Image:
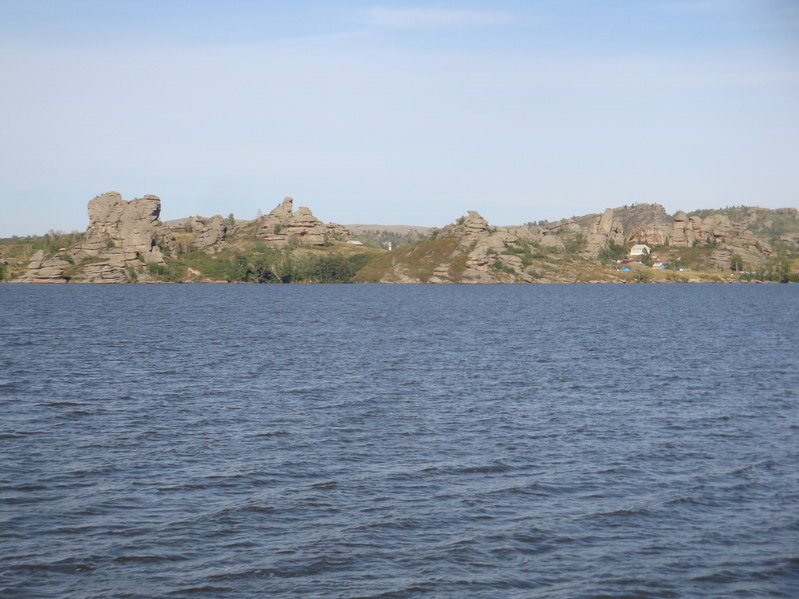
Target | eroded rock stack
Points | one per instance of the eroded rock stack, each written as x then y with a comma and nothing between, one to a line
121,235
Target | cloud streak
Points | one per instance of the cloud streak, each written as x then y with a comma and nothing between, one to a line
431,18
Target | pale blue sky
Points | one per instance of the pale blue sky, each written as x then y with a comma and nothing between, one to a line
396,112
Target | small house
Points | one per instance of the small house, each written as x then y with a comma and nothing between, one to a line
640,250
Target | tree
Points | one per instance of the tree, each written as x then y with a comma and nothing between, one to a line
736,263
779,269
230,221
646,259
611,252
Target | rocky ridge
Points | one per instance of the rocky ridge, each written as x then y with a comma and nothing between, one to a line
126,242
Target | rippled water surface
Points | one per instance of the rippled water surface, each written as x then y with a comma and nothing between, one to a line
399,441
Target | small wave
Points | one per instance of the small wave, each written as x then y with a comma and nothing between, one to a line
330,484
494,467
16,434
200,590
723,577
123,559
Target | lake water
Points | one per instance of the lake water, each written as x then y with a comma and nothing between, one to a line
399,441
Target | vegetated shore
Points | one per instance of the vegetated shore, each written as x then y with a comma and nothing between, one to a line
126,242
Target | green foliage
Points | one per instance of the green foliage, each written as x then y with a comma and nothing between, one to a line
641,276
525,251
516,250
2,272
173,272
328,267
277,228
611,253
497,265
779,270
679,263
230,221
381,239
418,260
573,245
260,264
736,263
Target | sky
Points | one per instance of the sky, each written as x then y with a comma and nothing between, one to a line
396,112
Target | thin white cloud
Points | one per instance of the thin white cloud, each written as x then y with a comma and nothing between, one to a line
425,18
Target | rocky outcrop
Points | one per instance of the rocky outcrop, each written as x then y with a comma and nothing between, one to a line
209,233
682,232
45,270
133,226
121,238
126,242
282,226
605,230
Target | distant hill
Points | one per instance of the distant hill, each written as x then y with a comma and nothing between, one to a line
397,229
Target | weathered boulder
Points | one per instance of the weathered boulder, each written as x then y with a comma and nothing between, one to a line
208,233
42,269
282,226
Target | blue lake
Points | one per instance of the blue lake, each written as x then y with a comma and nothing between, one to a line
399,441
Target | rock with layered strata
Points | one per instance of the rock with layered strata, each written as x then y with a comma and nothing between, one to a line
132,226
42,269
282,225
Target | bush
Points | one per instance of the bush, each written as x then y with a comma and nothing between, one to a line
169,273
611,253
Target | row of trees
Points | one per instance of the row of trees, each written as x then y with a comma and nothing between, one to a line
263,265
778,270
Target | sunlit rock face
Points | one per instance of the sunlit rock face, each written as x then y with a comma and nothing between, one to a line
282,225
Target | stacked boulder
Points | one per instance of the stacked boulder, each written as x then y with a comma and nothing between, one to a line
282,226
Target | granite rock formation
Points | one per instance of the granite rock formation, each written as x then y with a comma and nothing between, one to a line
282,226
45,270
209,233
